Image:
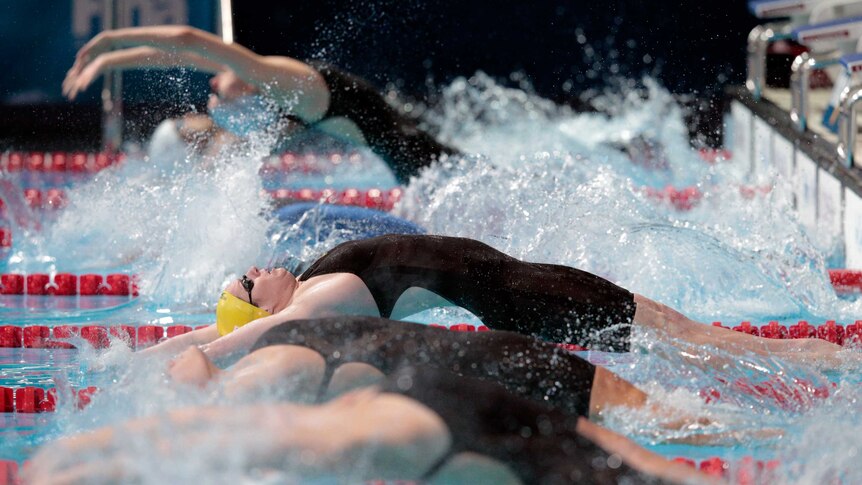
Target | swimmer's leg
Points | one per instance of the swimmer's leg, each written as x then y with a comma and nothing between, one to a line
610,390
656,316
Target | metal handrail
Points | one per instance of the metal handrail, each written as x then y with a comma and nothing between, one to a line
847,124
800,82
758,42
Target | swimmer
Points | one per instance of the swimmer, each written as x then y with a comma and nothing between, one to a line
261,88
417,424
395,276
351,352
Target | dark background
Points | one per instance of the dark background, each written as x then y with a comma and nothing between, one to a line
563,48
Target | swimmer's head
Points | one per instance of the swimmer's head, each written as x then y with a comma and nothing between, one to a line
227,86
233,312
270,290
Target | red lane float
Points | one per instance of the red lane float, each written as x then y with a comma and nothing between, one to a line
846,281
58,161
308,163
686,198
31,399
380,199
67,284
746,470
98,336
714,155
9,472
850,334
94,162
794,396
39,336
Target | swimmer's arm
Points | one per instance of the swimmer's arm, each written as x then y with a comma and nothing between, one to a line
132,58
243,338
348,441
293,83
639,457
181,342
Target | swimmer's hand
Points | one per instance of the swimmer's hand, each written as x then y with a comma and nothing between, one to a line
78,80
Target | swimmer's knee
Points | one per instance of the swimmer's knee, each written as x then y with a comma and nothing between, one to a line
296,372
288,357
350,376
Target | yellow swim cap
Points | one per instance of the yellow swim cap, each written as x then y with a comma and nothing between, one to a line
232,312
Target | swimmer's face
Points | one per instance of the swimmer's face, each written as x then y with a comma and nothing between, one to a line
227,86
272,290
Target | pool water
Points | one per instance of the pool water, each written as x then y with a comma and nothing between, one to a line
550,185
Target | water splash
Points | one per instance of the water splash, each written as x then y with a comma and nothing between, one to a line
550,185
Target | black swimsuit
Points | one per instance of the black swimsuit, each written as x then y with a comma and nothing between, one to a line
550,301
501,394
528,367
538,443
390,134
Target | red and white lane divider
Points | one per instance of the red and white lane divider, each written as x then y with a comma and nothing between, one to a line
68,284
98,336
32,399
380,199
309,163
286,162
714,155
747,470
686,198
58,161
846,281
850,334
84,162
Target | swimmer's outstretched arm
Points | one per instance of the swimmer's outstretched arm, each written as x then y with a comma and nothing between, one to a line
290,82
243,338
217,346
656,316
133,58
351,438
640,458
176,344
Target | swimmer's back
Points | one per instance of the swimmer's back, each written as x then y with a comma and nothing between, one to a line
551,301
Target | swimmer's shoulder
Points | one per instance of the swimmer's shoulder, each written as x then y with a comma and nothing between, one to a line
336,294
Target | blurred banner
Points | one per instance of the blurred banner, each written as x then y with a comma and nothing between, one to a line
38,41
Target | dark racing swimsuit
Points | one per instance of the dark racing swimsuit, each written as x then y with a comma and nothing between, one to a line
504,395
538,443
393,136
553,302
501,394
532,368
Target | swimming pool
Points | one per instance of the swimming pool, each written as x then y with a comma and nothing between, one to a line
551,186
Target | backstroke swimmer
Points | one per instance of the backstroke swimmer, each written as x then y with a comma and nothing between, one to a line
395,276
351,351
250,91
392,431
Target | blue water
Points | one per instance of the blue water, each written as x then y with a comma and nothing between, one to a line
543,184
